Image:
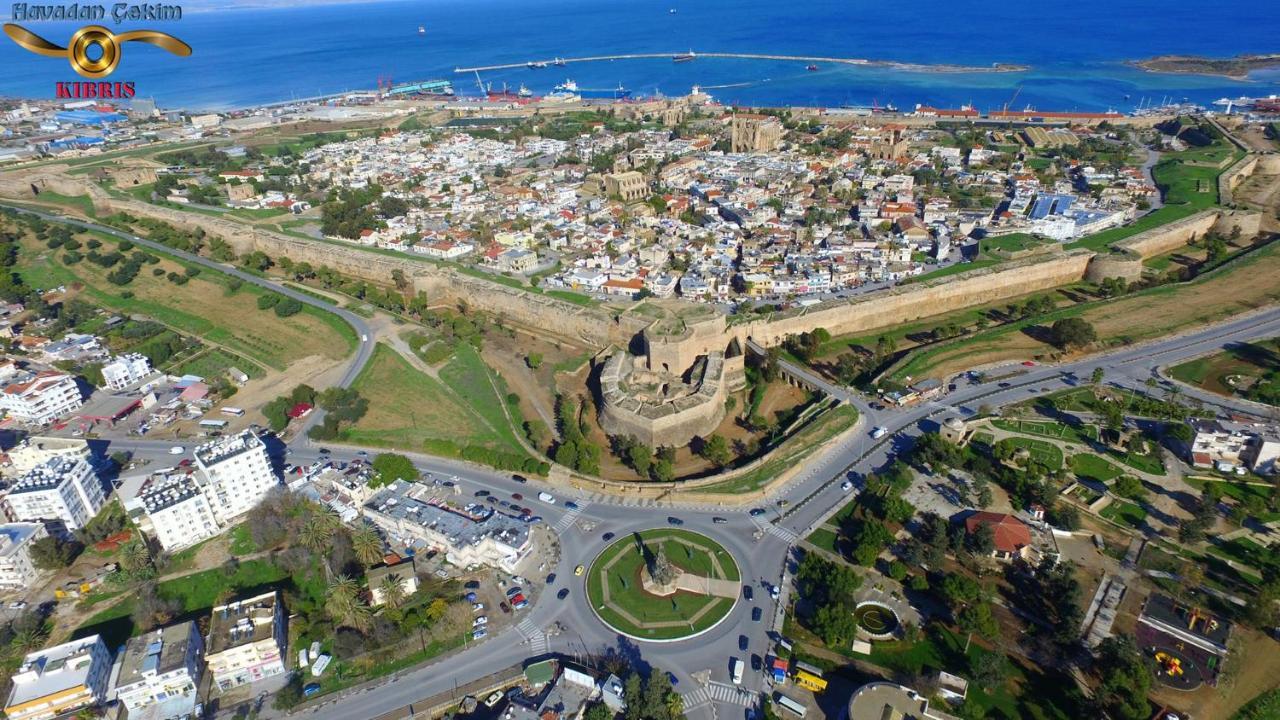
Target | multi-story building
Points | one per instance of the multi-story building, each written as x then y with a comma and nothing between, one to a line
16,569
62,488
161,670
755,134
125,370
42,398
630,185
177,510
1231,445
60,679
469,536
246,641
36,450
236,473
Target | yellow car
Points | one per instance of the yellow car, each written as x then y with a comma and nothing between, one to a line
579,570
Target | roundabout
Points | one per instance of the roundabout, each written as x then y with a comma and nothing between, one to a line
663,585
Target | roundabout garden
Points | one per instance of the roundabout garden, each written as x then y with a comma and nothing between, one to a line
663,584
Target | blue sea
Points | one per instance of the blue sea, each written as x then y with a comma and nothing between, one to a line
1076,50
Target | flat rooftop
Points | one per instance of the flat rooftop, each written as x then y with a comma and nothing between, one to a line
12,535
414,503
53,669
242,622
45,476
225,448
163,491
155,653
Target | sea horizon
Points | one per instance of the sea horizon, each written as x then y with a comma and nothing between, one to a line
1076,60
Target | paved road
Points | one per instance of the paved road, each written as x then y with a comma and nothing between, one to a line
761,545
364,337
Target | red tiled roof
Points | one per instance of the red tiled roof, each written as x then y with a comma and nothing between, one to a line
1011,534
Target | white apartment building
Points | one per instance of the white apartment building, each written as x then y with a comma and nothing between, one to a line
237,473
125,370
16,569
160,672
42,398
36,450
60,679
61,488
247,641
177,510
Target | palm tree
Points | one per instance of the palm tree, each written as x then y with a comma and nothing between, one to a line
367,545
344,605
316,532
134,556
392,589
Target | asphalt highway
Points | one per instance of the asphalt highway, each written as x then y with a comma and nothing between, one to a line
761,546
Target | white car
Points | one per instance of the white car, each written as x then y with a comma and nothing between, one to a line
774,592
847,485
477,607
480,621
879,432
177,450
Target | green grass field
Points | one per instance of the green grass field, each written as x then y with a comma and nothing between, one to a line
791,452
1125,513
408,407
1049,429
1041,451
204,307
1087,466
626,594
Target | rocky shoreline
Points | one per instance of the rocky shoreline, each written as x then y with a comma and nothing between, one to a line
1235,68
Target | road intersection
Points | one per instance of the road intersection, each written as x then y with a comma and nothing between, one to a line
763,546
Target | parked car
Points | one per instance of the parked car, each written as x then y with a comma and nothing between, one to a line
747,593
504,607
176,450
674,521
743,643
513,591
755,512
551,578
479,634
756,614
471,597
472,585
517,496
607,537
520,478
579,570
570,505
310,689
846,485
482,620
879,432
719,520
482,493
324,451
477,607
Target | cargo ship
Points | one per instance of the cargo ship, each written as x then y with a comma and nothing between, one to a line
523,95
683,57
569,87
427,87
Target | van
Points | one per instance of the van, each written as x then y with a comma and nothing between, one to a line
547,498
736,670
879,432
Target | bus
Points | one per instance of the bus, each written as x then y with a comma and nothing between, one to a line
233,411
812,670
213,424
810,682
789,704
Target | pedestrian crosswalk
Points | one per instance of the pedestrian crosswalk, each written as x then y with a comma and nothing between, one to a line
782,533
717,692
570,517
533,634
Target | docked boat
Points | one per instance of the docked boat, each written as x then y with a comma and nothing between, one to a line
559,62
811,67
683,57
422,30
569,87
524,92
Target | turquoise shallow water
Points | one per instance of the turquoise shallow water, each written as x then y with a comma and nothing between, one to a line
1075,50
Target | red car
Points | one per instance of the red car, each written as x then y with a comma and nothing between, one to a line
517,496
1028,363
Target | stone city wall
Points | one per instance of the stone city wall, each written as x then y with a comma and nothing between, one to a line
1163,239
1229,180
670,423
919,300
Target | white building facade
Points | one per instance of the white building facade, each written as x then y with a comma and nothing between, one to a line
62,488
17,572
237,473
125,371
60,679
178,511
43,398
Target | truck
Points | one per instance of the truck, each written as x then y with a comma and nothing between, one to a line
735,667
789,704
879,432
547,498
